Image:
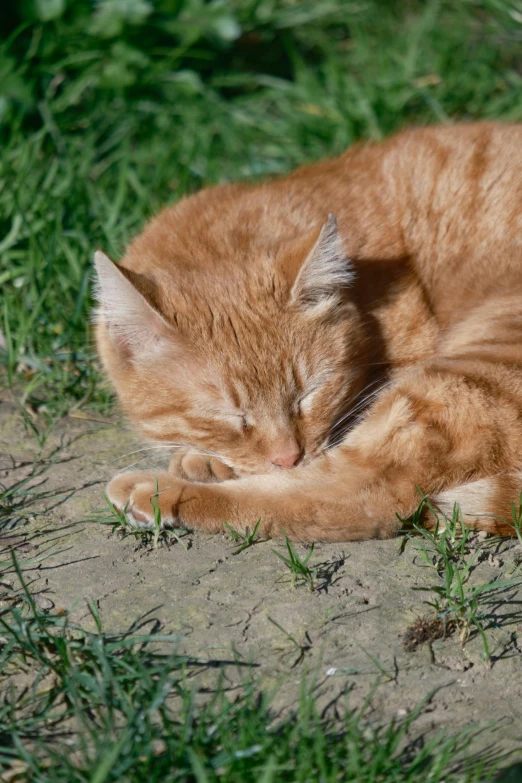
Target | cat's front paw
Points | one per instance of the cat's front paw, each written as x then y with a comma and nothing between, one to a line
193,466
140,494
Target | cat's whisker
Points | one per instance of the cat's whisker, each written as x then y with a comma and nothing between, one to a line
138,451
362,403
200,450
138,462
206,452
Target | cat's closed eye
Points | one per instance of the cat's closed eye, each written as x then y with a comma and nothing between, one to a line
305,402
237,419
247,421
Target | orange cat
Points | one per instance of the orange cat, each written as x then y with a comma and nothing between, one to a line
312,371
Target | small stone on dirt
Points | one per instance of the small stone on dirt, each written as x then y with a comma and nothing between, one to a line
494,561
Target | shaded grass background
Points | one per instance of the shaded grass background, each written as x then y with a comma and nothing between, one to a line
110,109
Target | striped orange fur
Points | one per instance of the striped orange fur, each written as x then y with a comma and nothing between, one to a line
316,347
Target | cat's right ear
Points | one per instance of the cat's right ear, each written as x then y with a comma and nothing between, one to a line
317,268
126,308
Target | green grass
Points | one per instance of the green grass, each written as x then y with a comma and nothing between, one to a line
19,495
244,539
452,555
84,705
300,571
108,111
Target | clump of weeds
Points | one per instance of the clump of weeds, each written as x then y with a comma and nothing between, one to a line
245,539
516,520
300,571
460,605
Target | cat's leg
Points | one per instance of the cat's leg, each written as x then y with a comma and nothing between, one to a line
485,504
438,427
194,466
309,505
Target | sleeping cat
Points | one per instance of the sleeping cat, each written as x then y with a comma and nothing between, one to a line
316,348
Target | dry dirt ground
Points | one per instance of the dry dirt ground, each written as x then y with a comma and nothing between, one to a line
348,632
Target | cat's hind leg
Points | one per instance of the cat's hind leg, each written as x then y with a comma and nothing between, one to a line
486,504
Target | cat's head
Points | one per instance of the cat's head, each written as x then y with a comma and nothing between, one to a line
251,355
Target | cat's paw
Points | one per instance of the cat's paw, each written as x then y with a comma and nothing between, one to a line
193,466
140,493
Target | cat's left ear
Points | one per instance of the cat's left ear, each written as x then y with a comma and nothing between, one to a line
318,276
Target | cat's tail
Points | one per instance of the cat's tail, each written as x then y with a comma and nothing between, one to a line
492,504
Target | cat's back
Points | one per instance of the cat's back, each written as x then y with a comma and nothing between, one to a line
464,174
445,197
462,209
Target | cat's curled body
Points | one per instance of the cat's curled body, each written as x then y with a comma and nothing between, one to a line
313,371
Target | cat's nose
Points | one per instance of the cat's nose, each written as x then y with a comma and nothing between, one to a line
285,459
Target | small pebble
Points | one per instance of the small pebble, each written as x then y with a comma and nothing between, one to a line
43,603
496,562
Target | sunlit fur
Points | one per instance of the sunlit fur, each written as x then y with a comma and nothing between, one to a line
382,345
260,351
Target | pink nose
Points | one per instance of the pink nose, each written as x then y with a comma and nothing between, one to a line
285,459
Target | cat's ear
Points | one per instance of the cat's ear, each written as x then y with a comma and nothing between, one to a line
126,307
323,271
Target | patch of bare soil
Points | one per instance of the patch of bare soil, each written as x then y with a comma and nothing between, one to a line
243,608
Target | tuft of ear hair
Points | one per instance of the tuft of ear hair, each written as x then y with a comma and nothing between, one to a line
324,272
126,307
